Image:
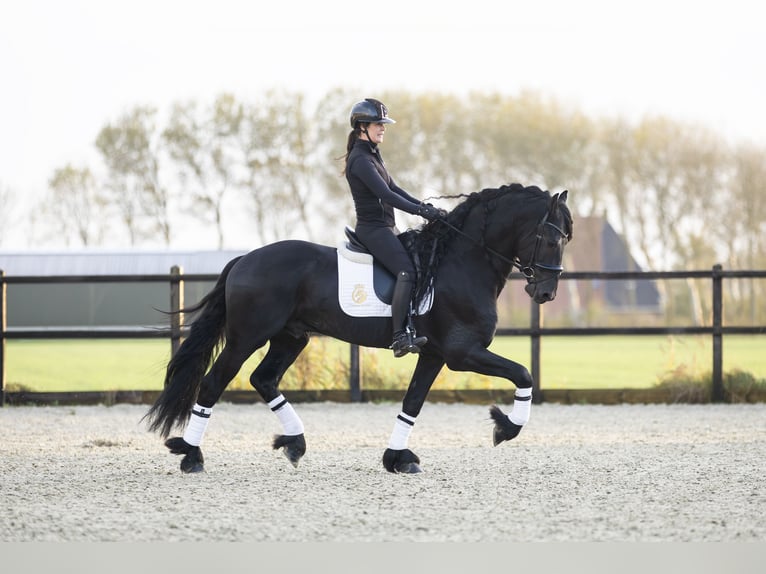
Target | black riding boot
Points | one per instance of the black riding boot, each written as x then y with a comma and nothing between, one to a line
405,340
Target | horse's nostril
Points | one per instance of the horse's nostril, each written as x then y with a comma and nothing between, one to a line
545,296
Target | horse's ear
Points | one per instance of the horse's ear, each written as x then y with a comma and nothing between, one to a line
554,204
561,199
557,198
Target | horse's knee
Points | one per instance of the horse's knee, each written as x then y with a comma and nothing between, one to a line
266,387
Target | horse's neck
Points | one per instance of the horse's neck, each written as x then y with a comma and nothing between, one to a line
471,256
483,228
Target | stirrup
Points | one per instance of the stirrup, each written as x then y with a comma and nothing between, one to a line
404,343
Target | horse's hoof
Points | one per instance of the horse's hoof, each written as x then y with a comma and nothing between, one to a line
504,428
193,461
293,447
408,468
401,461
191,466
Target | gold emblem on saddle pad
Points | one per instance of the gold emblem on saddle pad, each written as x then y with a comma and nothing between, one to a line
359,295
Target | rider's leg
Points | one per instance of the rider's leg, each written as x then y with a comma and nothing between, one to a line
405,340
385,246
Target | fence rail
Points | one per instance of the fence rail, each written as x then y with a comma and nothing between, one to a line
177,330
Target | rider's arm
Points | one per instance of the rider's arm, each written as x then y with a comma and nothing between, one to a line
369,175
403,193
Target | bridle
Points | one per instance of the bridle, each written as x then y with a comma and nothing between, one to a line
527,270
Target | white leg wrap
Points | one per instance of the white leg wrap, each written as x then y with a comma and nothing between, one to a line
291,422
401,433
522,405
195,430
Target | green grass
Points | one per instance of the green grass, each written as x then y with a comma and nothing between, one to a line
86,365
602,361
567,363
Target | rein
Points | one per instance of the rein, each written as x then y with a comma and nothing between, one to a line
527,270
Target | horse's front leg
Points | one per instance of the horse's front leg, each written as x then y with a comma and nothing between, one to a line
480,360
397,457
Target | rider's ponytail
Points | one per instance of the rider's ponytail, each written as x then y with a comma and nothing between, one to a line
353,135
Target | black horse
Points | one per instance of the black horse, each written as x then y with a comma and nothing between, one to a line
283,292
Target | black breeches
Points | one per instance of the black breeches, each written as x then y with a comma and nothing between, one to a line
385,246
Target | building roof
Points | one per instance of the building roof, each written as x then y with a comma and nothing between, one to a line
103,262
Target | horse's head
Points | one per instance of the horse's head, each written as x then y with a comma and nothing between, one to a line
546,250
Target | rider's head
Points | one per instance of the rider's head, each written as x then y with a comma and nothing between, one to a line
369,111
363,114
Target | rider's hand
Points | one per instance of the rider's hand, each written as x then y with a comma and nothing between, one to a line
442,212
429,212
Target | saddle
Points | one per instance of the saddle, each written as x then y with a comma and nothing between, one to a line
365,287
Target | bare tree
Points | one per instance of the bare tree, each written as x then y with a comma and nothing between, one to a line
428,149
281,160
742,225
75,206
204,146
130,150
332,206
742,213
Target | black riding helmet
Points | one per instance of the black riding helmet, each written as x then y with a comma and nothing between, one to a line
370,111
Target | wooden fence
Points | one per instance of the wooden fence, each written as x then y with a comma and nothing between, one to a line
176,331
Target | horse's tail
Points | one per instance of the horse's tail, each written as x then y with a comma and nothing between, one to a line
190,363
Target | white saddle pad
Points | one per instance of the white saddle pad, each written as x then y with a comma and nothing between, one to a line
356,291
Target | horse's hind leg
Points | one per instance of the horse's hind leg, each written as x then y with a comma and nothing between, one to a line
224,369
284,348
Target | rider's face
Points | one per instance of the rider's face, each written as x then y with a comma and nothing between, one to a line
375,132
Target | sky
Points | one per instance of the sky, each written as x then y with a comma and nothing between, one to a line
67,67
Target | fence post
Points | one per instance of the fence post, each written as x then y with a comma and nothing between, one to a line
717,392
176,304
3,324
536,313
355,375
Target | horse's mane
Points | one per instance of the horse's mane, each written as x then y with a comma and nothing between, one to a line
428,244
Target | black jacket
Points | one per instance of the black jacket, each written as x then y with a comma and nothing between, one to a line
373,189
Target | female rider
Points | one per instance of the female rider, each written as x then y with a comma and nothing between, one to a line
375,197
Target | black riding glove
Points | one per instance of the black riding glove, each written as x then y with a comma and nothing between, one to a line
429,212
